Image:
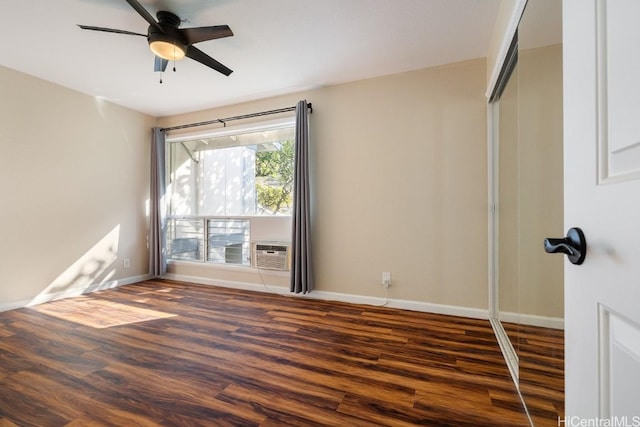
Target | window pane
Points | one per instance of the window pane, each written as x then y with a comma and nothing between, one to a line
185,239
228,241
233,175
228,181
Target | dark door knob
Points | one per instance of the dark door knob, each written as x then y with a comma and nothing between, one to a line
574,246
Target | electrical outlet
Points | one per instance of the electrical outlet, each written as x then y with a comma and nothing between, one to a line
386,279
127,262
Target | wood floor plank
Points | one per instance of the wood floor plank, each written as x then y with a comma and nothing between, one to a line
464,408
54,354
228,357
287,406
69,400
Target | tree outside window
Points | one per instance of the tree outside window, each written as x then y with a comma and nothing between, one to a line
274,178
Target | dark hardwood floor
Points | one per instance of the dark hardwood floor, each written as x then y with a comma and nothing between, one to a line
235,358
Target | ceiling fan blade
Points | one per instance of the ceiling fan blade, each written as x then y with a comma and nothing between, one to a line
160,64
200,34
145,14
110,30
203,58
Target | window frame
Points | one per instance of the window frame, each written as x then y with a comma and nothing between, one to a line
264,125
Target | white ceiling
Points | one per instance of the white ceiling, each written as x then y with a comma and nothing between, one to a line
279,46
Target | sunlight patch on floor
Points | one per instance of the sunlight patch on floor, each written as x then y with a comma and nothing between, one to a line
97,313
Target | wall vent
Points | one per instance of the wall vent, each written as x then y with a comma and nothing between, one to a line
271,255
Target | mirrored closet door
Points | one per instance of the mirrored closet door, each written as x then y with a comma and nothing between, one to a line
528,195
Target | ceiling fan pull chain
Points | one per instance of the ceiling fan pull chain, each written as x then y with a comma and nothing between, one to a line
160,77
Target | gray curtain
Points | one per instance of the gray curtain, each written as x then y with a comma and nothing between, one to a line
157,222
301,271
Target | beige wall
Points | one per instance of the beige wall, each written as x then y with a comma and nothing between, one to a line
398,174
399,184
74,174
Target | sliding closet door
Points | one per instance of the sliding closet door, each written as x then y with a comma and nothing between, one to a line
540,204
528,192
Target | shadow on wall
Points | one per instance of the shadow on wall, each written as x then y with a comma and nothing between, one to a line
91,272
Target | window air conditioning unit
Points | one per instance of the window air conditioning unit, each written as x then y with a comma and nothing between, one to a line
271,255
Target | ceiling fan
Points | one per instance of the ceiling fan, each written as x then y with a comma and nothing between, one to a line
170,43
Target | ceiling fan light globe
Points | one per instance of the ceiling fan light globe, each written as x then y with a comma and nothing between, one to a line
167,50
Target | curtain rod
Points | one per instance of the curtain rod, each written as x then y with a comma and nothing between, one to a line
228,119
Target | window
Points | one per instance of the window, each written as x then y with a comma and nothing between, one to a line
217,181
218,241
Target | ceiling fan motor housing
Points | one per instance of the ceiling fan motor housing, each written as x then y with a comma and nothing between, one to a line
167,44
168,19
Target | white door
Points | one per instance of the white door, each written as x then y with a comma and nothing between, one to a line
602,196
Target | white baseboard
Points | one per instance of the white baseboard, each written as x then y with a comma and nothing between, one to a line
257,287
532,320
426,307
6,306
73,292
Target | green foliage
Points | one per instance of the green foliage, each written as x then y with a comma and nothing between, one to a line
274,170
273,198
